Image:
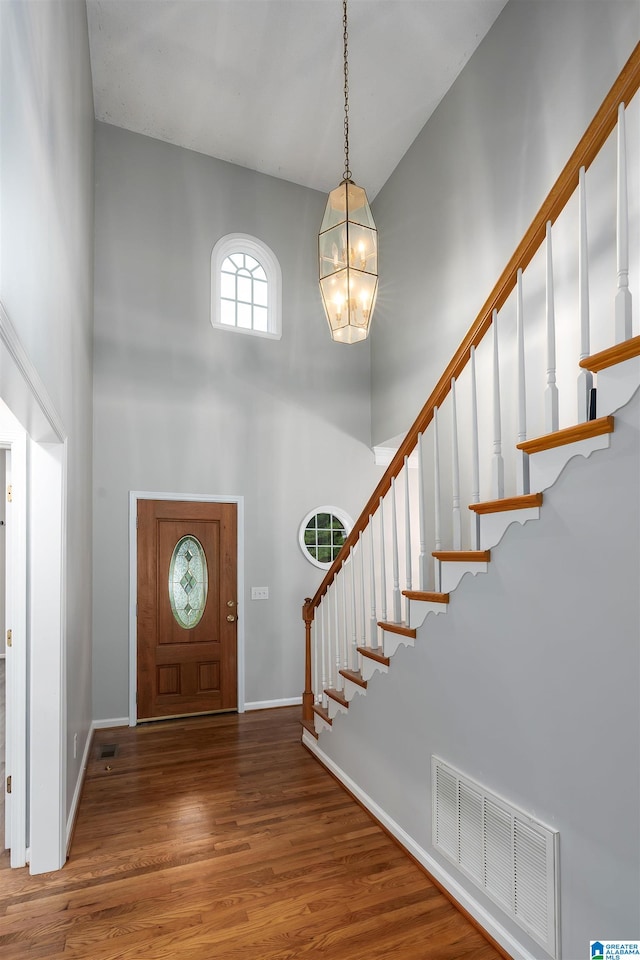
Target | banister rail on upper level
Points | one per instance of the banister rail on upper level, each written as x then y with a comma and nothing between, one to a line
594,138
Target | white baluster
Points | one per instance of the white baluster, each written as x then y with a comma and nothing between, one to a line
330,639
551,393
407,534
397,612
323,605
383,563
338,682
522,462
623,296
422,563
354,618
475,456
498,461
585,377
436,496
372,580
345,620
362,597
457,530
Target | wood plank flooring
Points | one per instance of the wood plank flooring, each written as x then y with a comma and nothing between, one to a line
221,838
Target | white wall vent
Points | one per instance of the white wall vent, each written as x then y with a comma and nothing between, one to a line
509,855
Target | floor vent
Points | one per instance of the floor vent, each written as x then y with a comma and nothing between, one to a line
107,751
509,855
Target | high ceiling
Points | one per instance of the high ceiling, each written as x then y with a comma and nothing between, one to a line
260,82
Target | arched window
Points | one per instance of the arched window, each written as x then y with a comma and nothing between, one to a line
245,287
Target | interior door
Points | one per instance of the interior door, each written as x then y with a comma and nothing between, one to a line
187,608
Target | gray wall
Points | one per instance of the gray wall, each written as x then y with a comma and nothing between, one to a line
182,408
530,684
46,269
457,205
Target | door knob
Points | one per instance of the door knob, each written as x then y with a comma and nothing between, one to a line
230,617
231,603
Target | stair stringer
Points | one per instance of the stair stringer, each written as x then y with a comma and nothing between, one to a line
530,684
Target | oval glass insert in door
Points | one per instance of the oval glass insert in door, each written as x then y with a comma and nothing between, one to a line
188,582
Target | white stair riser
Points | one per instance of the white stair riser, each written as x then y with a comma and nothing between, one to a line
351,689
493,525
320,724
418,610
452,572
616,385
546,466
335,708
368,667
391,642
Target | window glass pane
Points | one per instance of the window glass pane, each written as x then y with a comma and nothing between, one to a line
228,312
324,555
244,316
244,289
260,293
324,537
188,582
259,274
237,259
228,285
260,319
250,262
323,520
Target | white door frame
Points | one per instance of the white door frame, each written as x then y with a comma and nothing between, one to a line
134,496
14,440
38,717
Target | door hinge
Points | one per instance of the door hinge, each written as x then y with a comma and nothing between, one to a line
9,638
8,784
10,493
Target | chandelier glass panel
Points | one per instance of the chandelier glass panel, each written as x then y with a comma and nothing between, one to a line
348,247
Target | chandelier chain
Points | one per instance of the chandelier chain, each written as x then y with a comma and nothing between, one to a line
345,41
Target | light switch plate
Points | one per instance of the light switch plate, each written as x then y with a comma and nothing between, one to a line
259,593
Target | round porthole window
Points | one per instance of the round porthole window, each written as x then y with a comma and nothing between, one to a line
322,534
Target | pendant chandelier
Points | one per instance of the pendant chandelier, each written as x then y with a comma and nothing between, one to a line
348,245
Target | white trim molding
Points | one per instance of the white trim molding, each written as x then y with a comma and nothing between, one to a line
272,704
134,496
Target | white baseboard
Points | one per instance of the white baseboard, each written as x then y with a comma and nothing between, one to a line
95,725
105,724
269,704
488,922
73,811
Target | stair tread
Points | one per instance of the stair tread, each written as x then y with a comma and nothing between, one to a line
462,556
581,431
322,712
427,595
618,353
402,628
355,676
337,695
522,502
375,653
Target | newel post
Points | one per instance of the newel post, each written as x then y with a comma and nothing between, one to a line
307,696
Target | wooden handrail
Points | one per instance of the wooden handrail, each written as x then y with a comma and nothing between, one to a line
585,153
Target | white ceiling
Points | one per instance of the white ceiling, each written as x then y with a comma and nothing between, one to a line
259,82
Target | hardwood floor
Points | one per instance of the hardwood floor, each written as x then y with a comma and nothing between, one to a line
221,838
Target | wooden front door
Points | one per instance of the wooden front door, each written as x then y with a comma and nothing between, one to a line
187,608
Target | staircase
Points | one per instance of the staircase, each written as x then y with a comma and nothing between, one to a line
501,450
